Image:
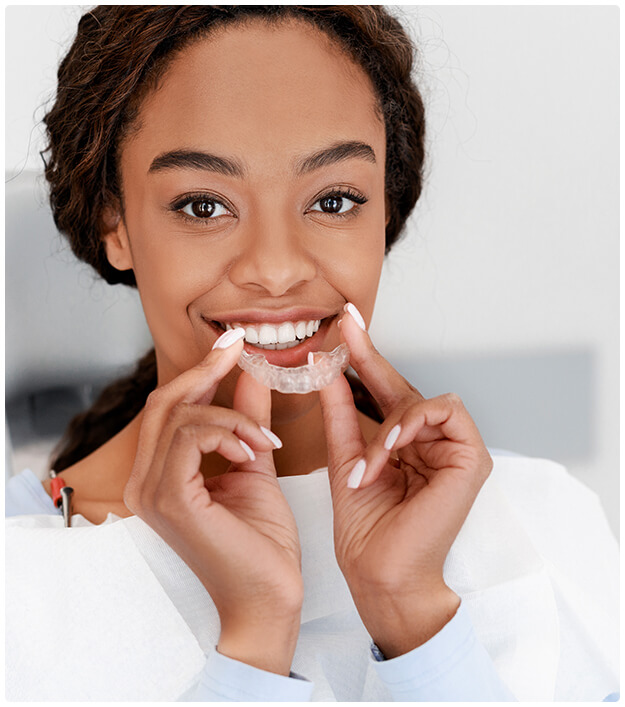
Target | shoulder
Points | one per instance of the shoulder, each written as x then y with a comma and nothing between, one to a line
25,495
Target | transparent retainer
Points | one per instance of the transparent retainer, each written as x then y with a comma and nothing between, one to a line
301,379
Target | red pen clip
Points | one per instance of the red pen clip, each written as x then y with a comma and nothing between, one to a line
56,484
62,497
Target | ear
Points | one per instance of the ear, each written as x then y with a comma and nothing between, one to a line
115,237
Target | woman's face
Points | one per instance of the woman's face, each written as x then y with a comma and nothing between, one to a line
254,194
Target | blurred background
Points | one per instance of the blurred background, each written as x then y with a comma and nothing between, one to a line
504,289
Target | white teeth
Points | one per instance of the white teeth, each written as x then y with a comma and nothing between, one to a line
283,336
267,335
300,330
251,335
286,333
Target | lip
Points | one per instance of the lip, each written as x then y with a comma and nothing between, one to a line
288,358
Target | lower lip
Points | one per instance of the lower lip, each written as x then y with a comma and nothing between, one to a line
295,356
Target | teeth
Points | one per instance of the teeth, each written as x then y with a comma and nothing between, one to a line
286,333
267,335
300,330
282,336
251,335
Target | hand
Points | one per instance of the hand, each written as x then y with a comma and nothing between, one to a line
235,531
394,530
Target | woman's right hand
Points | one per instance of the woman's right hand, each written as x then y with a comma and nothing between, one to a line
236,530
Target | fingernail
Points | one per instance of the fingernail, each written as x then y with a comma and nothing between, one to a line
311,358
229,337
356,474
272,437
248,450
349,307
392,437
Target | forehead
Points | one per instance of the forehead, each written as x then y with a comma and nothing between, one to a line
266,88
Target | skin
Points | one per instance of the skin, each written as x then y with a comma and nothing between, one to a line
274,254
271,249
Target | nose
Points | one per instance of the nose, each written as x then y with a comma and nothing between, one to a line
273,259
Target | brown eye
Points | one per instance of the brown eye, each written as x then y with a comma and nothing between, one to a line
204,209
331,204
339,203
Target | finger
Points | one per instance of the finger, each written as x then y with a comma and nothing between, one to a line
253,399
445,502
344,438
386,385
183,414
181,478
445,432
198,384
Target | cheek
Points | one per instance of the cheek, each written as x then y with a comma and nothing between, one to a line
357,272
172,272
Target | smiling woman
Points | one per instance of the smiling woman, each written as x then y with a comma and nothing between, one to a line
247,168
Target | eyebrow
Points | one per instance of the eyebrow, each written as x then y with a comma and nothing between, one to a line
195,159
336,153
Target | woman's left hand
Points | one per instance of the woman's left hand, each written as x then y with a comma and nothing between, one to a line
394,529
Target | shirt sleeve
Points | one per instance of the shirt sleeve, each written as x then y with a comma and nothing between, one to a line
224,679
452,666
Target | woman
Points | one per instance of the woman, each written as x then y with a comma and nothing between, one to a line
247,168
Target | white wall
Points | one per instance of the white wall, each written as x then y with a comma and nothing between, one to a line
512,254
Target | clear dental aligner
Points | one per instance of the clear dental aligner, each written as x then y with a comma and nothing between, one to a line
301,379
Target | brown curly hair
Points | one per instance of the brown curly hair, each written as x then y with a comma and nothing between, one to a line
117,57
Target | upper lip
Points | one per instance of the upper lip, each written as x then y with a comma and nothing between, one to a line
273,317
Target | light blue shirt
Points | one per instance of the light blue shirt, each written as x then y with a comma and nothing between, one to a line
452,666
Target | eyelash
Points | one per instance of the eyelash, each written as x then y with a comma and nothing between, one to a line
187,199
343,193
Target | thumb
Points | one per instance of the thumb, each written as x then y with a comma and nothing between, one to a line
344,439
254,400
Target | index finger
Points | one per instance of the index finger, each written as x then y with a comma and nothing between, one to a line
254,400
386,385
197,385
343,434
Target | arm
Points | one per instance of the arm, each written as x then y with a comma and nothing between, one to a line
235,531
451,666
399,503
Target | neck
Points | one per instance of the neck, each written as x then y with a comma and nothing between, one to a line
303,447
100,478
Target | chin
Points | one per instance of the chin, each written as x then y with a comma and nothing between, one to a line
288,408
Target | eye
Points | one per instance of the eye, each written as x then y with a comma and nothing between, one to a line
203,208
338,202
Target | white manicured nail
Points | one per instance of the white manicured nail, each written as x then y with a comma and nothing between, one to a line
272,437
356,474
229,337
392,437
248,450
349,307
